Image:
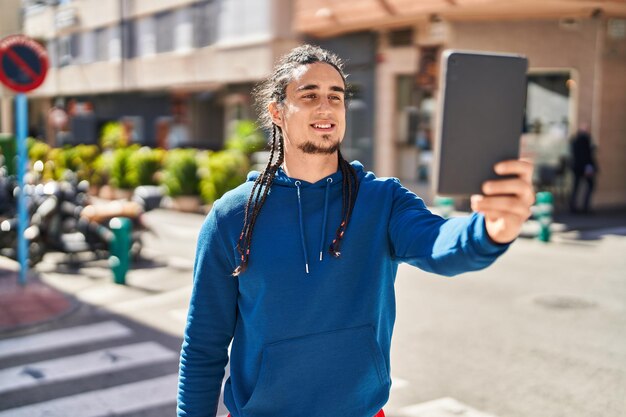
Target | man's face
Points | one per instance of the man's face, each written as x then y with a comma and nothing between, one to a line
313,114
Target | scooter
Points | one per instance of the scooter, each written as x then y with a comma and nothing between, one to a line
63,221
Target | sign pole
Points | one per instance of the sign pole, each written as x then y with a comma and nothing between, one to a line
23,67
21,112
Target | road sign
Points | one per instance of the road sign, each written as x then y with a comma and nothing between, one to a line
23,63
23,67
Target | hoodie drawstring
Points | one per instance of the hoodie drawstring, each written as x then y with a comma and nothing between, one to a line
323,234
302,239
323,237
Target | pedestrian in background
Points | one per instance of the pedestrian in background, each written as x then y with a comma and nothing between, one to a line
297,266
584,168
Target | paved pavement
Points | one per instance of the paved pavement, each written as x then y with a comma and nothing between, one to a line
49,295
27,305
109,324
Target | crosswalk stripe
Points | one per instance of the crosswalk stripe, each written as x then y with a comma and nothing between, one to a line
442,407
118,400
63,338
87,364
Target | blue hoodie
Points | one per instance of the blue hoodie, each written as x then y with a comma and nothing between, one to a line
311,333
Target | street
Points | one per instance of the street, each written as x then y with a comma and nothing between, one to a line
540,333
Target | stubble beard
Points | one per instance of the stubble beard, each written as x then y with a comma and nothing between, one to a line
312,148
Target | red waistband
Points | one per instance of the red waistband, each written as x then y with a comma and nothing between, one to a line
379,414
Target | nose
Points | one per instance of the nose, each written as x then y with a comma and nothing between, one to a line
324,105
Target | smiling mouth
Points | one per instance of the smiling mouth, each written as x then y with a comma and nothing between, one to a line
323,127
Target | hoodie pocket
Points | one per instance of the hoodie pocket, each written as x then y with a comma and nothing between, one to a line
343,370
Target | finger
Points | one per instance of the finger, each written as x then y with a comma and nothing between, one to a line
503,205
514,186
510,205
520,167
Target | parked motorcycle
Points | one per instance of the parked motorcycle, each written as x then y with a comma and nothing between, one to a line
62,220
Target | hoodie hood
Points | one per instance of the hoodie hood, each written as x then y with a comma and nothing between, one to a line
327,182
282,179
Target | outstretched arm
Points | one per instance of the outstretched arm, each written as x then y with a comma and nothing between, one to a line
462,244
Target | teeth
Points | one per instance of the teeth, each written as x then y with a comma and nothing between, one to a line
318,126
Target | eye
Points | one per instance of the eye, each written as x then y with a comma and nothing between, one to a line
310,96
336,98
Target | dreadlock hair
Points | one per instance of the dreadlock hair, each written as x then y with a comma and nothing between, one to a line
271,90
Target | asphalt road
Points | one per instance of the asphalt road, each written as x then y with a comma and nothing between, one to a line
541,333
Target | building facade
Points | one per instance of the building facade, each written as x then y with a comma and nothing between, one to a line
175,72
577,58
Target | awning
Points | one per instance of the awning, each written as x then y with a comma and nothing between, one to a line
329,18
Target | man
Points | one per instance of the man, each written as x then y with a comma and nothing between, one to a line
584,167
297,266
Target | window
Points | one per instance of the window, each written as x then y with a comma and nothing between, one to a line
53,55
87,47
114,45
183,29
102,44
130,32
164,25
549,111
65,51
205,23
146,39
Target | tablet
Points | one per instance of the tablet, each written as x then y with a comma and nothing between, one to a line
481,115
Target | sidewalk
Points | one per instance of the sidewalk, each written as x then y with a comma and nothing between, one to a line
31,304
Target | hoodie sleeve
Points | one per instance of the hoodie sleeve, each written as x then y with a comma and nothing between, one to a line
427,241
210,324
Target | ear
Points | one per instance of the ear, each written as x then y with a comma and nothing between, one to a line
275,113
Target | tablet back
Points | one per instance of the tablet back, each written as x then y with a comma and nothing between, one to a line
480,118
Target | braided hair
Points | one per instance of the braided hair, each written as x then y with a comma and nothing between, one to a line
274,90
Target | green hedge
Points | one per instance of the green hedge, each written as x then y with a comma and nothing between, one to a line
180,172
143,166
245,137
220,172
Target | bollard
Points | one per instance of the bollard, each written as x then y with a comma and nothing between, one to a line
543,214
119,251
445,206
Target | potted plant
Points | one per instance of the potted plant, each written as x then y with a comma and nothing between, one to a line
143,166
220,172
113,136
245,137
102,174
180,178
84,158
119,171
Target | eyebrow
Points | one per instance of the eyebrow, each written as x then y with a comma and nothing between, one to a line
317,87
